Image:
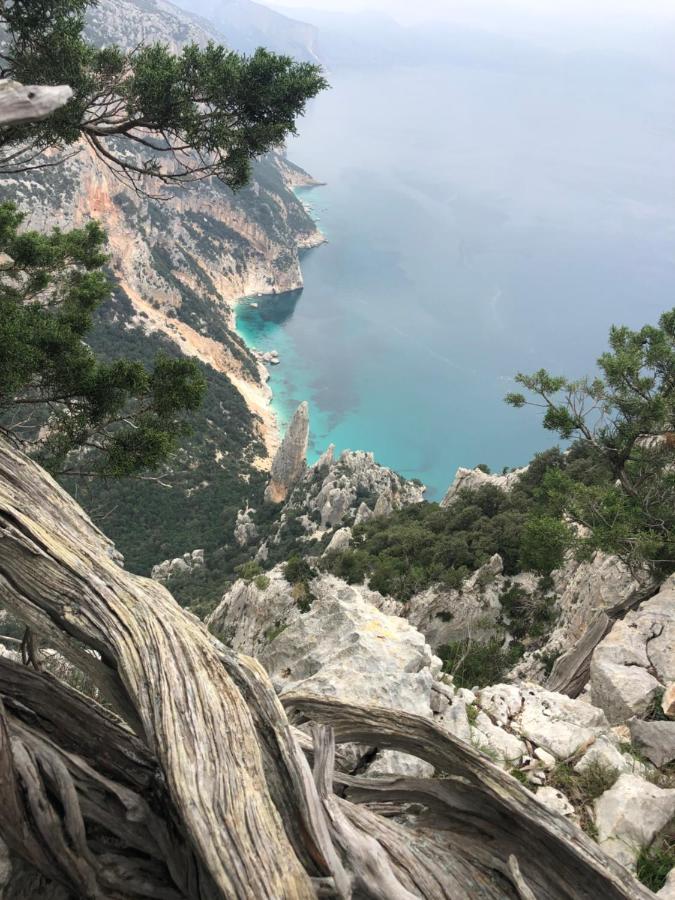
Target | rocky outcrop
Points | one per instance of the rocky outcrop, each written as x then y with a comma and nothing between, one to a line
182,565
472,611
473,479
182,262
245,531
338,492
291,458
633,665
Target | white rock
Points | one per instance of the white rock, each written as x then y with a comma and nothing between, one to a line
621,691
501,702
557,723
630,815
605,754
547,759
505,748
555,800
339,541
456,721
392,762
346,647
467,696
473,479
637,658
655,740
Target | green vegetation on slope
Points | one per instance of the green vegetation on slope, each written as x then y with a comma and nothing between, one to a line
425,544
210,478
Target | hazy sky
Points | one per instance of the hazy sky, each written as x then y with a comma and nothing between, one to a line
487,11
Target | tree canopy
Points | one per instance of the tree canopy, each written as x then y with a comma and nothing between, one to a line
56,397
625,417
203,112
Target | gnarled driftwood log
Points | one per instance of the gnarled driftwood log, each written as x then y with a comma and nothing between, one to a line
197,787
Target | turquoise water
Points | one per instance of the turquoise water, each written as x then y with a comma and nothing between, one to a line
480,222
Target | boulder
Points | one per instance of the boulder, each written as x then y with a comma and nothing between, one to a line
245,531
555,800
637,658
290,460
501,701
346,647
184,564
630,815
604,753
621,691
340,541
557,723
655,740
504,748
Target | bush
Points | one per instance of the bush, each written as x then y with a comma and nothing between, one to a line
473,664
298,570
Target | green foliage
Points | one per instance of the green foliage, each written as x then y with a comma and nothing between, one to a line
528,616
473,664
211,476
205,111
654,864
262,582
625,418
298,570
544,541
77,413
425,544
249,571
582,788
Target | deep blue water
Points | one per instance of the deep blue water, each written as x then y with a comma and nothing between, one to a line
480,222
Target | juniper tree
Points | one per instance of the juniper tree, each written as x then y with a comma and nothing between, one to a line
78,414
625,417
202,112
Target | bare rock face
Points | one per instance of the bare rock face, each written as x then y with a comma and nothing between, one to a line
245,531
291,459
636,660
629,816
473,479
343,646
444,615
655,740
249,616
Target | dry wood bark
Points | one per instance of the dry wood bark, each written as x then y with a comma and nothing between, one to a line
29,103
201,788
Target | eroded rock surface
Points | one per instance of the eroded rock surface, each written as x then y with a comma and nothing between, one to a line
291,458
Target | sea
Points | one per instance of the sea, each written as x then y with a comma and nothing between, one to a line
482,219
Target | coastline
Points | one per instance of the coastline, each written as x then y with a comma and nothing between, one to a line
259,397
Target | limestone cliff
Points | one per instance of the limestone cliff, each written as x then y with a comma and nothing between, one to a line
183,261
291,457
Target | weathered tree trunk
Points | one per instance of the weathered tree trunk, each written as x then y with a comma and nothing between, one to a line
200,788
30,103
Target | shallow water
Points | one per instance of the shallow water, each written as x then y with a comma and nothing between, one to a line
480,222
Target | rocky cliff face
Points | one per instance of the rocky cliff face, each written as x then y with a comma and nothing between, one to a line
183,261
290,460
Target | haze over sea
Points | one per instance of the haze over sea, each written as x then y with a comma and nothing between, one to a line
486,213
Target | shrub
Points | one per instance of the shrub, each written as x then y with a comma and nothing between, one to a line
472,663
